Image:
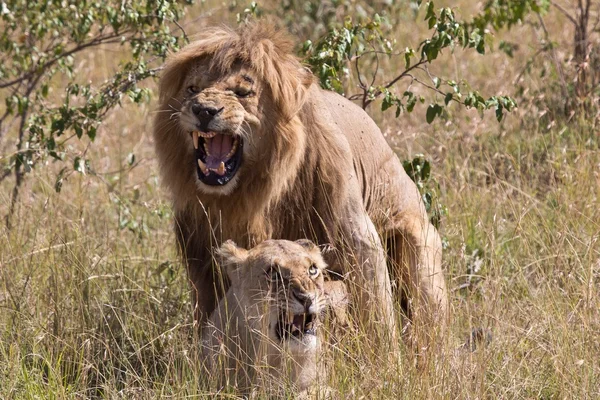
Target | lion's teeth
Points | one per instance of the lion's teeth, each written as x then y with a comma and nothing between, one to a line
206,148
203,167
195,138
207,135
221,170
233,149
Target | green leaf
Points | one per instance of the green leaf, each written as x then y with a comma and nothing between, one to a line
433,111
448,98
499,112
130,159
430,10
58,184
481,46
432,22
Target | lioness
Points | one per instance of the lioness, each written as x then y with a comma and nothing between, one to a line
251,148
267,324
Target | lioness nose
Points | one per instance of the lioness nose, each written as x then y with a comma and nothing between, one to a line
304,299
204,114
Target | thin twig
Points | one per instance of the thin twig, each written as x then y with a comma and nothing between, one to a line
378,93
18,169
557,64
185,36
564,12
95,42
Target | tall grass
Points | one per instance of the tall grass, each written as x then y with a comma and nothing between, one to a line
94,300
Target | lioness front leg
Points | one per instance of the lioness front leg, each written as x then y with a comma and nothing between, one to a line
369,281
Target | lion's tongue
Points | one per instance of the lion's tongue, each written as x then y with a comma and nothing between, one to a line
219,148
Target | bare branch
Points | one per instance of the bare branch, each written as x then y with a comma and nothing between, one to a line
564,12
114,38
185,36
404,74
555,59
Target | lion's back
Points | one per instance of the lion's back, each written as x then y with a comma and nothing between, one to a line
383,182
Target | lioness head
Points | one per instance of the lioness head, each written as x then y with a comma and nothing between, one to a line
223,99
283,281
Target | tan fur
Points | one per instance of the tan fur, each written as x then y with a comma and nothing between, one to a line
240,343
314,166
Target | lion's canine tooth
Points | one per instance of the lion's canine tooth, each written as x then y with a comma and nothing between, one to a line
202,167
221,170
195,138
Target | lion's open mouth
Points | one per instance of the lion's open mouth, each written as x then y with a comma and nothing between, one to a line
218,156
295,325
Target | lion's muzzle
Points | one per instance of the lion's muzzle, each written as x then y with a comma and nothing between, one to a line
205,115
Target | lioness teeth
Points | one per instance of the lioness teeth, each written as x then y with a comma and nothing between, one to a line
203,167
195,139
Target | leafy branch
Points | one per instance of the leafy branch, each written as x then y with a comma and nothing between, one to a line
357,41
56,32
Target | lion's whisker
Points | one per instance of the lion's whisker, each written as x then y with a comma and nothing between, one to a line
177,100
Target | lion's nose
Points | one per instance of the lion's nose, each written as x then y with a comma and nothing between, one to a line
205,115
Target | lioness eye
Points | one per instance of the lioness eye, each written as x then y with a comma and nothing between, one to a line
313,270
193,90
273,274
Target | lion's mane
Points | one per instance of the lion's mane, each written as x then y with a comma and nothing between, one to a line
268,52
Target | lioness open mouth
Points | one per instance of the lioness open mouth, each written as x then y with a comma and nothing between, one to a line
295,325
218,156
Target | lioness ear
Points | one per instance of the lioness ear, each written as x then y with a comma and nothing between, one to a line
231,254
230,257
307,244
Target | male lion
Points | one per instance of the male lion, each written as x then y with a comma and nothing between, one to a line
251,148
267,324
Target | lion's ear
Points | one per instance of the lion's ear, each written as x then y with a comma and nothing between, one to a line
172,77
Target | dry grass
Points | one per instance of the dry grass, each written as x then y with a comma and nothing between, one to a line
94,301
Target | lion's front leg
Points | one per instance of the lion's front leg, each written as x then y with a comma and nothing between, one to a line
207,284
368,281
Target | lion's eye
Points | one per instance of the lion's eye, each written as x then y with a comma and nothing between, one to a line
193,89
313,270
243,92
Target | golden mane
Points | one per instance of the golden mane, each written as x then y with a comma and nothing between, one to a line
267,51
